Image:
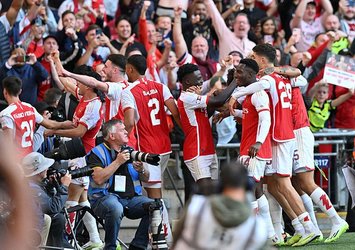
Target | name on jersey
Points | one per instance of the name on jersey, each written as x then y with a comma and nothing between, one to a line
23,114
150,92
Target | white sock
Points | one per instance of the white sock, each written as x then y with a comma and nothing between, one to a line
264,212
308,204
90,224
320,198
275,213
306,222
69,204
166,224
298,227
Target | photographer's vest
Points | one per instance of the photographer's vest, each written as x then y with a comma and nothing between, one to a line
95,191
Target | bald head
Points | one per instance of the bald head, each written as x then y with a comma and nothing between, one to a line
199,48
332,23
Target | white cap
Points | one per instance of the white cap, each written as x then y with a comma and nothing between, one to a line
35,163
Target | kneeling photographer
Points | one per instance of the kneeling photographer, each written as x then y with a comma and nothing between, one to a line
115,189
51,194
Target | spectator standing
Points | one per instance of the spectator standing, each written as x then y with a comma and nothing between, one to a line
201,25
124,32
321,107
25,67
309,24
98,49
199,50
6,22
228,40
70,44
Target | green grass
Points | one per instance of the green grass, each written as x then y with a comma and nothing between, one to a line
346,242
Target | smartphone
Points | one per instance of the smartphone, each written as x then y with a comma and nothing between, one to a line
268,39
98,32
296,32
22,59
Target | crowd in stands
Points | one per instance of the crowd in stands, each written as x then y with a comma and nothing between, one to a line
151,73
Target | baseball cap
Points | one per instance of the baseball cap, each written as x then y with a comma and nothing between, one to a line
35,163
50,36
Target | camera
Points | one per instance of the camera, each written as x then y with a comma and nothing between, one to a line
152,159
67,150
59,170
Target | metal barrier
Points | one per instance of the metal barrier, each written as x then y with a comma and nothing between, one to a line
336,137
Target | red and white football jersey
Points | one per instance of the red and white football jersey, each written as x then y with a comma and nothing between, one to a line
113,98
196,125
299,111
113,107
89,113
147,98
21,117
252,105
281,96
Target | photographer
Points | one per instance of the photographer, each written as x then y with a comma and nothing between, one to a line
115,188
50,195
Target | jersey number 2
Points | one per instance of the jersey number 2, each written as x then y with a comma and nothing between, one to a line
154,103
285,95
28,134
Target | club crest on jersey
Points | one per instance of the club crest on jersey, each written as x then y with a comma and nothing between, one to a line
198,99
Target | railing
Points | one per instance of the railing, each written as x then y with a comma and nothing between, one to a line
335,137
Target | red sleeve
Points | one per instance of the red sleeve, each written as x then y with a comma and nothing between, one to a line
316,53
143,33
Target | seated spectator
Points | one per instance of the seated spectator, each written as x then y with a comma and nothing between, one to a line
114,189
124,32
310,25
199,50
209,221
321,107
228,40
27,68
50,197
98,49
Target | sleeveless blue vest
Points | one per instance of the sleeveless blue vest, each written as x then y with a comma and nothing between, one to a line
105,157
